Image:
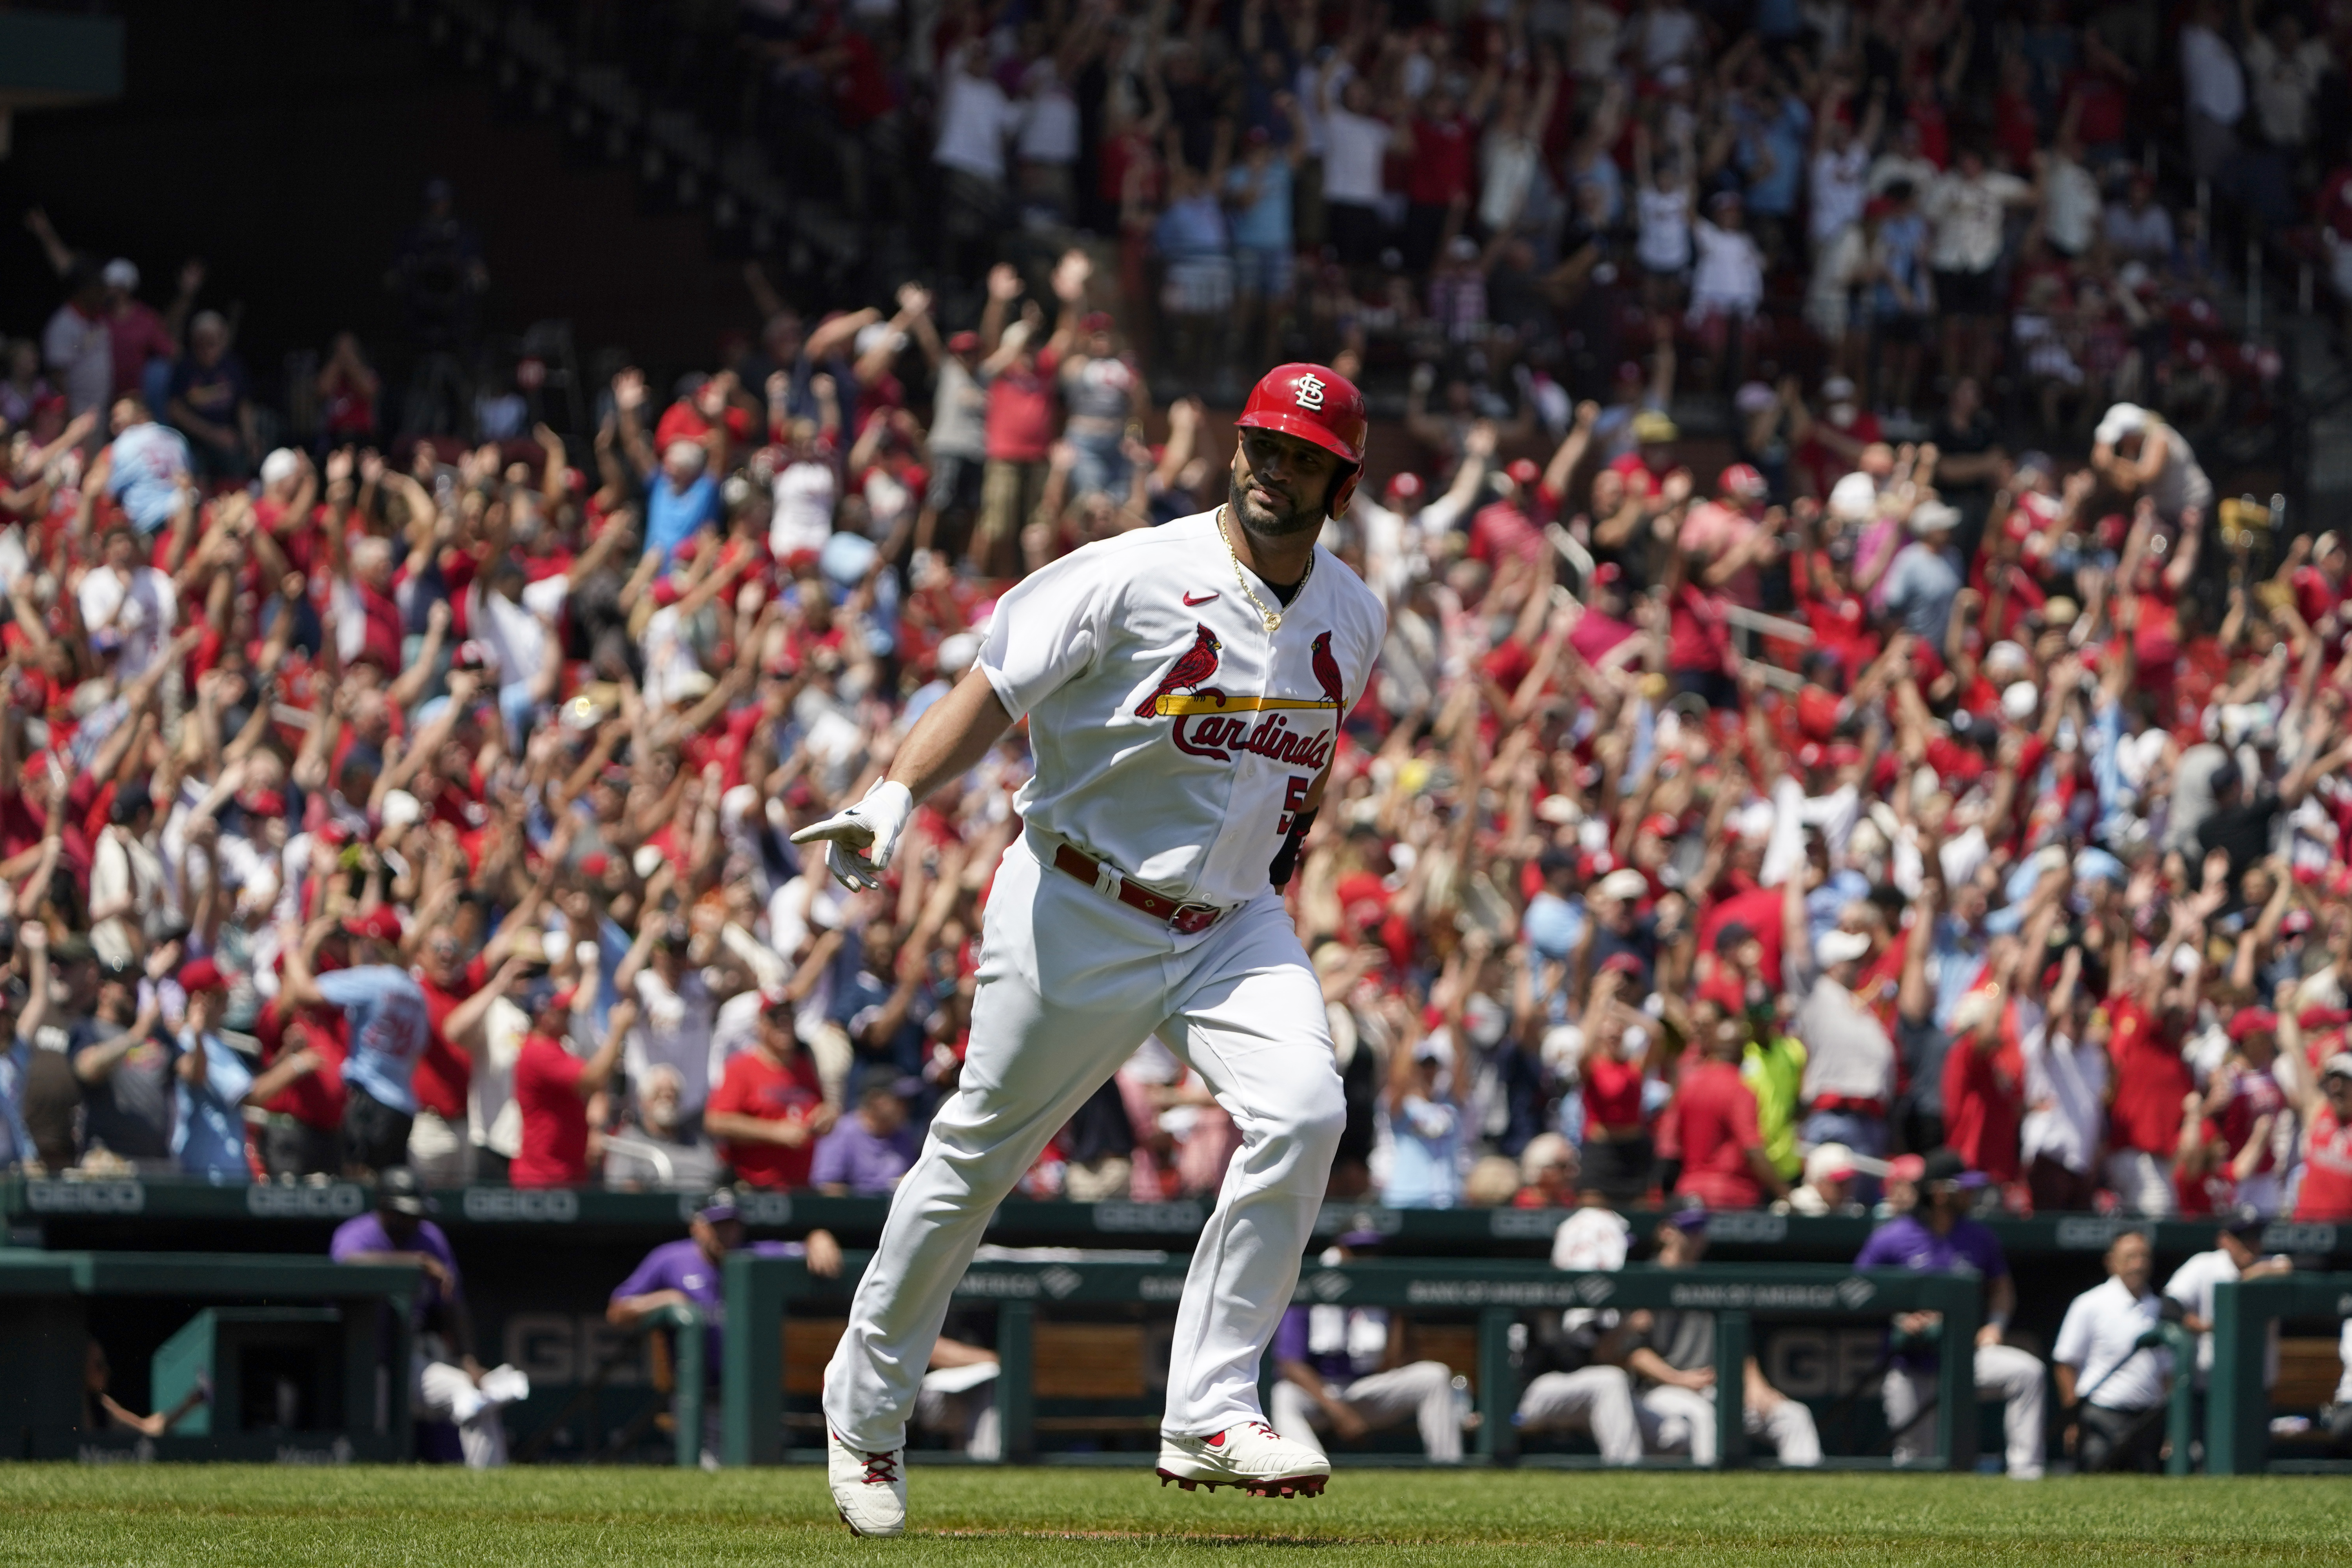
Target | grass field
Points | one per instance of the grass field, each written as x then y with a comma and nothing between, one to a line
62,1516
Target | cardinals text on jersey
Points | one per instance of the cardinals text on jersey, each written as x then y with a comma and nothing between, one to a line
1174,736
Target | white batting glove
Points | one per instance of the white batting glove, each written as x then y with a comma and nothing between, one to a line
858,841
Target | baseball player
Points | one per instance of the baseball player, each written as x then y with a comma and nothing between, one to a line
1183,686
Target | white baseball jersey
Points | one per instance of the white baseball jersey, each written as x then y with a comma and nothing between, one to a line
1174,736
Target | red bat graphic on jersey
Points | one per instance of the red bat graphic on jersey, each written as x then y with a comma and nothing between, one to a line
1327,671
1199,663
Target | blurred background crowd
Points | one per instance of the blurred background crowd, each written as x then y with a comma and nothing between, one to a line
1836,707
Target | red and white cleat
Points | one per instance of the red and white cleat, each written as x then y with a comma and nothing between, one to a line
869,1490
1252,1456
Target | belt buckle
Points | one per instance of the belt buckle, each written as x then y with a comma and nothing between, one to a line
1191,920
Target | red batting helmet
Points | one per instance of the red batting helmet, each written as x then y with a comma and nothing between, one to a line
1314,403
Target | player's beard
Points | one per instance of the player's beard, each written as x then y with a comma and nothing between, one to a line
1262,524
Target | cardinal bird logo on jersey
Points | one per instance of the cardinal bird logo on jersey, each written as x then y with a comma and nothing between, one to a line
1199,663
1327,671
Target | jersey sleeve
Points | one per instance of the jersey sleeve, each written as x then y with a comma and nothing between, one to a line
1048,630
651,1274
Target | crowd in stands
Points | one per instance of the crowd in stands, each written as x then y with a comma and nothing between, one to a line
428,804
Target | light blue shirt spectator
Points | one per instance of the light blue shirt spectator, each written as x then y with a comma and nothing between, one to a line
149,469
386,1009
209,1140
674,516
1920,588
1264,224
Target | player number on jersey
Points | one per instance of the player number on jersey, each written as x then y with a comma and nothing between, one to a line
1294,801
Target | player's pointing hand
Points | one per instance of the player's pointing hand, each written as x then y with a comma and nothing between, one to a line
858,841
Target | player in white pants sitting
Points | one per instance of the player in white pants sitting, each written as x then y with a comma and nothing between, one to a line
1342,1369
1673,1354
1183,686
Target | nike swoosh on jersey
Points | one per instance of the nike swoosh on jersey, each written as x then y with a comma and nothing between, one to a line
1190,601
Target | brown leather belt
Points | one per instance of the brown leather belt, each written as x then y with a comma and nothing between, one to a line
1184,920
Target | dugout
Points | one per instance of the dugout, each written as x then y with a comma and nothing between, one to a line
539,1265
1044,1310
271,1359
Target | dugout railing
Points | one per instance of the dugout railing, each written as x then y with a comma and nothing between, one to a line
2238,1407
762,1293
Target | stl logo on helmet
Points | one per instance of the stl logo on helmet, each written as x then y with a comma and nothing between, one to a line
1308,390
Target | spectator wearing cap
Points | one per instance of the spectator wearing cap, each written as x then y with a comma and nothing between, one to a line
1937,1238
1622,1045
769,1110
958,438
1849,1082
210,403
1832,1171
1724,1165
217,1084
1984,1080
1547,1172
552,1087
2248,1107
868,1150
2326,1192
2236,1254
1423,1108
2147,1025
388,1027
445,1383
1619,929
1342,1370
2112,1365
1670,1354
2067,1076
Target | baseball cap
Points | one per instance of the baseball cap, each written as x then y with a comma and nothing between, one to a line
1404,487
2337,1066
1360,1239
1855,498
280,466
1624,883
775,1000
1653,428
1841,947
963,343
1935,517
1944,1166
2247,1022
120,273
1523,472
201,974
398,1191
1741,479
1094,321
2244,1221
719,1206
1830,1162
1690,1220
379,924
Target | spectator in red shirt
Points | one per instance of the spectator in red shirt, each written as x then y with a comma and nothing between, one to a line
1444,140
770,1110
2326,1191
1723,1163
552,1087
2151,1081
1984,1085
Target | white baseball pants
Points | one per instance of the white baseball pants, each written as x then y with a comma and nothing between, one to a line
1424,1390
2004,1373
1597,1398
1070,982
1676,1420
442,1391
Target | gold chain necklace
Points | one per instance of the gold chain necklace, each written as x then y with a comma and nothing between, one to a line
1273,618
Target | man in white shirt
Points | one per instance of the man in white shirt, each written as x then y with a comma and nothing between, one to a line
1356,145
975,118
2065,1092
2108,1359
2235,1256
2215,86
129,607
679,1011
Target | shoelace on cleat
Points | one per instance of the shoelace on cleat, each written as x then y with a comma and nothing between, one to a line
881,1470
